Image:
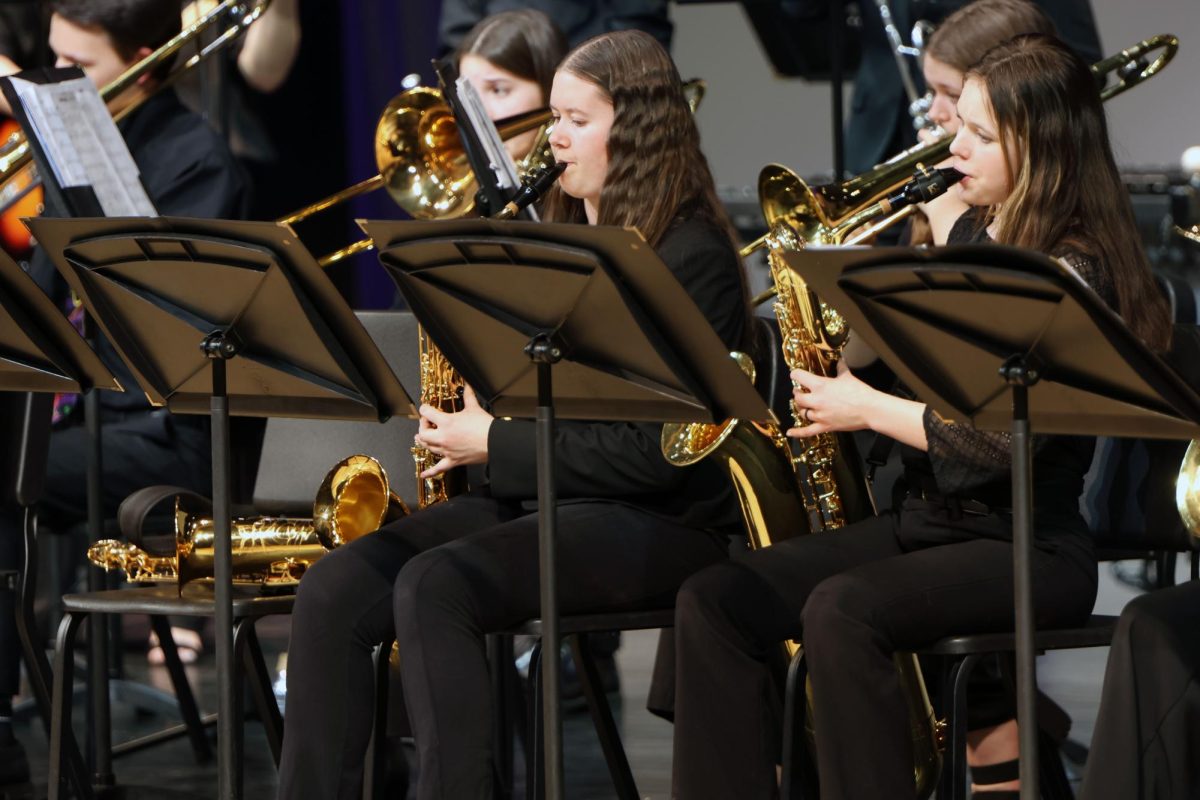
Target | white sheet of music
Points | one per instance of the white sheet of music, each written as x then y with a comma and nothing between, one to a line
498,158
83,145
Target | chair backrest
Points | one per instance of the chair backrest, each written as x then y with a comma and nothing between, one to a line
1129,493
297,453
25,438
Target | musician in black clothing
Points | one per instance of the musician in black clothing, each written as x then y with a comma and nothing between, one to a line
187,170
631,527
879,125
942,563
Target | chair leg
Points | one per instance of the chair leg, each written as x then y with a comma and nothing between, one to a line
799,778
36,664
241,631
374,777
954,765
535,765
63,748
602,718
260,688
188,708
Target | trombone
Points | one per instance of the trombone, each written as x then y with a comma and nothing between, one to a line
422,163
423,166
16,158
832,214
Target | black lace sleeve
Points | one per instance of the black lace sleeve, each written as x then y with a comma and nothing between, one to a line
964,457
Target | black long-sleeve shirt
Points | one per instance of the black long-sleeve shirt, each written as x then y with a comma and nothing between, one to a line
963,461
623,462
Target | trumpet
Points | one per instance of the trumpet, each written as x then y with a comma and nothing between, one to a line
827,214
16,158
353,500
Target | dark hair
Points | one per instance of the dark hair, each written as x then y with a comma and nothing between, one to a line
130,24
657,172
524,42
1067,196
968,33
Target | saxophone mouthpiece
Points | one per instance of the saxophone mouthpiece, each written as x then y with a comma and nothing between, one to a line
532,188
924,186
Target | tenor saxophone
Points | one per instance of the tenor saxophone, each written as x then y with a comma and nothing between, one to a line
820,487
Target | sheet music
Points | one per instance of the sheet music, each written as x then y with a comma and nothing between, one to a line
83,145
498,158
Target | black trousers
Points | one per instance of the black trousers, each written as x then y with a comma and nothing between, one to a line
140,450
440,579
1144,745
891,583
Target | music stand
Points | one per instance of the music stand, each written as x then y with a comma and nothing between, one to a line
510,302
224,318
41,352
1005,339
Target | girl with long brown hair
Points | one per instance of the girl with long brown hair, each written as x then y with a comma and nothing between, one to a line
631,527
957,44
1033,144
510,59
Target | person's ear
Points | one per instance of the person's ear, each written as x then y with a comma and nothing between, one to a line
138,55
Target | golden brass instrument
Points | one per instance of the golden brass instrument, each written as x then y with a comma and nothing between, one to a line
1187,489
353,500
441,387
821,488
422,163
831,214
237,15
1192,233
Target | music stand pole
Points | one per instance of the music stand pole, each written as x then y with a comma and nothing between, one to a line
545,353
837,13
219,348
1018,374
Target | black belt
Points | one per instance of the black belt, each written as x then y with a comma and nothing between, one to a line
959,505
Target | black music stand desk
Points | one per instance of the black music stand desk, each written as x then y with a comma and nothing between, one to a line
1008,340
224,318
40,351
510,302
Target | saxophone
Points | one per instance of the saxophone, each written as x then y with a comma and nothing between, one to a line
441,387
821,487
353,500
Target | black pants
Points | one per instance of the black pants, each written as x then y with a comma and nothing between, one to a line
440,579
1144,746
140,450
887,584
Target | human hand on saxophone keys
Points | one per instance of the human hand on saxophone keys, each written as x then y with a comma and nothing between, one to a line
829,405
457,438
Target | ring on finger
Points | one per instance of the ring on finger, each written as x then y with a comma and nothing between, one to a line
808,415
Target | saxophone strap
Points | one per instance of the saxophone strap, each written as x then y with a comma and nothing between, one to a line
131,516
882,445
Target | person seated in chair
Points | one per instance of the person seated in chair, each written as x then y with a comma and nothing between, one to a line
187,170
631,526
1034,146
